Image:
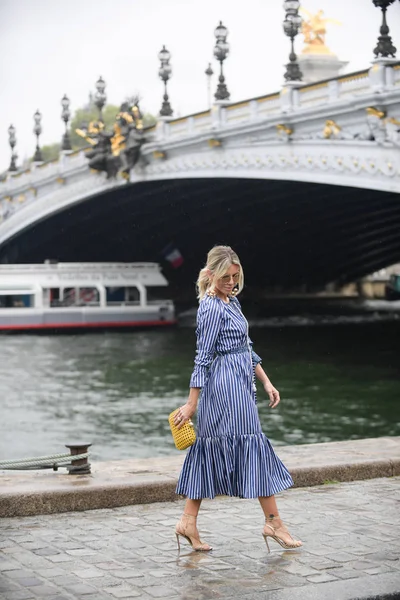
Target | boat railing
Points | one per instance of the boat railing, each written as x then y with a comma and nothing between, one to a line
70,303
160,302
128,303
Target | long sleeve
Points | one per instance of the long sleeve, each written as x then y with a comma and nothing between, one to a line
256,359
209,319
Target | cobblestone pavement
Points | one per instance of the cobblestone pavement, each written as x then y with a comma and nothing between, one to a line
351,535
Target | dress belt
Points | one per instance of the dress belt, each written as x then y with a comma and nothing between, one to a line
233,351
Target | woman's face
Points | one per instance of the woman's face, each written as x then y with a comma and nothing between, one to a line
225,284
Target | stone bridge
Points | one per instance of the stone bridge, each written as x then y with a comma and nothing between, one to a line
304,183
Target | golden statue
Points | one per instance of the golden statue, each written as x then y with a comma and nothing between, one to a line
314,31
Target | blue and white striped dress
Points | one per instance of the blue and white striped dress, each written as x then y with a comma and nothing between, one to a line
231,455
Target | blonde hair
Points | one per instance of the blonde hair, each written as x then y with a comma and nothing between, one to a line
219,259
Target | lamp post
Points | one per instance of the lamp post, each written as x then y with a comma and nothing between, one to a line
12,140
221,51
65,115
209,72
164,73
291,26
384,47
100,97
37,130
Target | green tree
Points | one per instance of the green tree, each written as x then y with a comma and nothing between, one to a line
50,152
149,120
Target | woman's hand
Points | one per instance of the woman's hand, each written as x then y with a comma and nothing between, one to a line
184,414
273,394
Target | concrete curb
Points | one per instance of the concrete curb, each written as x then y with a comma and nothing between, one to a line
81,497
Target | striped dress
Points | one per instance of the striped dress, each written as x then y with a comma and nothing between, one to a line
231,455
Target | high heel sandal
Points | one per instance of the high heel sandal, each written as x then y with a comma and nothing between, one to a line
273,532
181,530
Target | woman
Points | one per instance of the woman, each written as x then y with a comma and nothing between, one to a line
231,455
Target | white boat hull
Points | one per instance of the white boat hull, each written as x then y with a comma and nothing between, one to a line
31,319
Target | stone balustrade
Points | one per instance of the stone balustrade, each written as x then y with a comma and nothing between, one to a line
294,107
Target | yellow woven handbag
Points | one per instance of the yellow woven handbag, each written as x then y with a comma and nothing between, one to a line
183,437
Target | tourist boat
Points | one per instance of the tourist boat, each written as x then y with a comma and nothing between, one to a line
76,296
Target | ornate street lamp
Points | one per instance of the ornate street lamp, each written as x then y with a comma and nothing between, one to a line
37,130
384,47
65,115
100,96
165,72
209,72
291,26
12,140
221,51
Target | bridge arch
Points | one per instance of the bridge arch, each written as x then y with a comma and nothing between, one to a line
288,233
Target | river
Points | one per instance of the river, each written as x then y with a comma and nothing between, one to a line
338,381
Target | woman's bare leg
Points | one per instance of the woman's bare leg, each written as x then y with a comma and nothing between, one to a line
271,512
269,506
192,507
187,525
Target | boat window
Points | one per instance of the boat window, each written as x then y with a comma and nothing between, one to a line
117,296
54,296
69,298
88,296
132,295
85,296
16,301
155,293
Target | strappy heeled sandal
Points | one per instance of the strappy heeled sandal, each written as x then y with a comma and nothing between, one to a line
276,532
181,531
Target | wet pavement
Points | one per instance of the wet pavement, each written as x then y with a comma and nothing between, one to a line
351,536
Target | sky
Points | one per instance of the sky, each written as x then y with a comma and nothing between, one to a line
52,47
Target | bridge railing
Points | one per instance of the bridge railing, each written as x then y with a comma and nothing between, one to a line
340,88
20,189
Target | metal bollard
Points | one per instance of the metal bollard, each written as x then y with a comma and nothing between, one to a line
82,465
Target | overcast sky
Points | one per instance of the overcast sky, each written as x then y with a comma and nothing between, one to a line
52,47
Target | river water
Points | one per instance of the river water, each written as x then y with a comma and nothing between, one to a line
338,381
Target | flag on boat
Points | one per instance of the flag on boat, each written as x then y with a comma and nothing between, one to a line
172,255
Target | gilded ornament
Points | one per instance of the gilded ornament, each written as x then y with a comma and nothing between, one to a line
314,31
331,128
117,151
95,127
281,127
374,112
117,141
82,133
158,154
214,143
